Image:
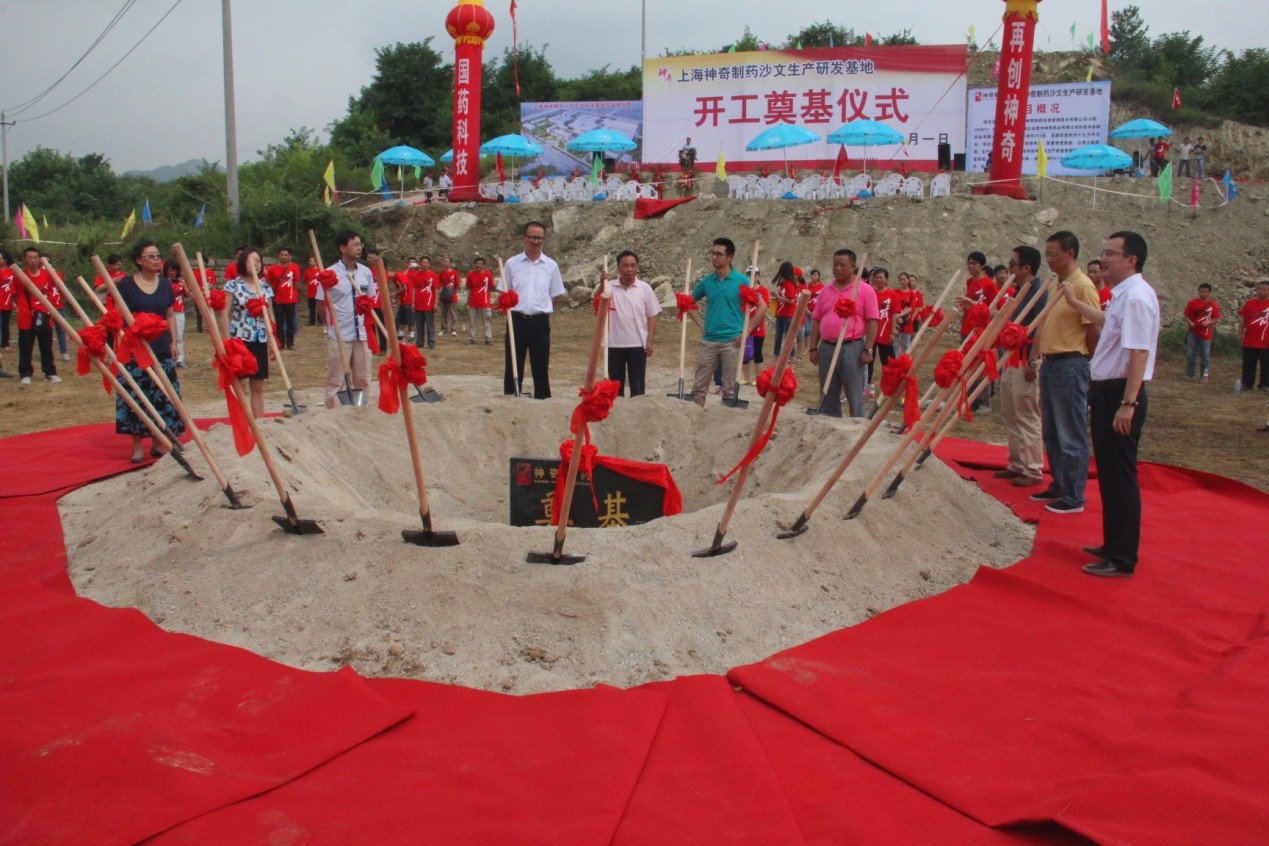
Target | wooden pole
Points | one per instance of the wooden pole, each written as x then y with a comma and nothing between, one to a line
841,339
291,522
687,289
985,339
717,547
511,332
744,332
947,289
427,537
874,423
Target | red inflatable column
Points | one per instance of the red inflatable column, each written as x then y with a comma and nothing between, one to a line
1011,100
469,24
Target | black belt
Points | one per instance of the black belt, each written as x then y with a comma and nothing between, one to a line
1056,356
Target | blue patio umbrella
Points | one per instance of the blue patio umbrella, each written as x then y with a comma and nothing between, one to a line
601,141
1141,128
865,133
448,156
514,145
1097,158
782,136
403,157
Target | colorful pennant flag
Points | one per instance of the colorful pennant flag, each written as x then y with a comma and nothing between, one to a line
867,39
1231,191
1041,160
1089,78
28,219
970,33
1090,42
596,168
329,178
20,223
839,165
1072,33
830,40
202,213
1194,193
146,218
731,49
1176,98
1165,184
128,224
720,170
376,174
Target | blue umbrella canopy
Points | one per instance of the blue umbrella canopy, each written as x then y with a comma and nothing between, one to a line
405,157
511,145
865,133
1141,128
448,156
1097,157
601,141
782,135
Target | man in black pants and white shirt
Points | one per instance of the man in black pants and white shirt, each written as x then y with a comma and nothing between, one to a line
536,280
1122,365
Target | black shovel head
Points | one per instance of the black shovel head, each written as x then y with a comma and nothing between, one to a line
798,528
297,526
344,397
735,402
426,394
427,537
716,548
230,494
179,458
812,411
555,556
296,408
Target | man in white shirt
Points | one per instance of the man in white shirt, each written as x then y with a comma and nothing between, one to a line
1122,365
351,328
632,325
536,280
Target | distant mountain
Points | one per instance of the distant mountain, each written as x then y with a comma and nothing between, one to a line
167,173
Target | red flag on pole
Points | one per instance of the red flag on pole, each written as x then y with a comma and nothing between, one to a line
1176,98
515,60
502,177
1105,28
867,39
839,165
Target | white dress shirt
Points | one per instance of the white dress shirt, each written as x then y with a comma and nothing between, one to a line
1132,323
628,321
536,282
341,299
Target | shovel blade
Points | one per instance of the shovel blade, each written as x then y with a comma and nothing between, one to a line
550,558
798,528
424,537
298,527
232,496
711,552
344,397
735,403
426,394
296,408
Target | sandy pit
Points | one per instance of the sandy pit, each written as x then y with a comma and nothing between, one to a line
638,609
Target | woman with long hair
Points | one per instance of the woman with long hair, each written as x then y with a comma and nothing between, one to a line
785,288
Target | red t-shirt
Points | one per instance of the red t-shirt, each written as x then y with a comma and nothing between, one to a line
310,282
423,283
982,290
6,289
285,279
206,278
449,282
887,305
479,283
1197,309
1256,313
1104,294
760,331
814,288
28,304
99,283
789,290
178,296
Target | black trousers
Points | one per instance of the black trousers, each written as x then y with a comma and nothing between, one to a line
4,328
1252,357
27,339
1117,471
533,336
312,311
628,364
287,320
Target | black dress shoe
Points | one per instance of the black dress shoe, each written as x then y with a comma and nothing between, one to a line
1095,551
1106,570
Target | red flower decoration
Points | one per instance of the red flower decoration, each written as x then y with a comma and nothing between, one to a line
929,314
897,374
595,404
845,307
255,306
749,296
685,304
236,363
111,321
92,344
363,305
784,392
1014,337
413,364
948,369
508,300
977,317
217,300
327,279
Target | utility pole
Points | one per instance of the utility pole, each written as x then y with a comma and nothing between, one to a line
231,129
4,147
643,41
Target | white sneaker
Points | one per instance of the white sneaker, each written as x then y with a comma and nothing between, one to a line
53,378
452,332
26,380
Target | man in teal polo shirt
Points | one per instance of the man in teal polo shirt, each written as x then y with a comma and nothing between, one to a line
724,321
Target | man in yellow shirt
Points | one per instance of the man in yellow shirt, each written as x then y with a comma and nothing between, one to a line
1066,342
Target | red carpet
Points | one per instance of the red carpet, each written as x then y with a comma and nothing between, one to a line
1034,705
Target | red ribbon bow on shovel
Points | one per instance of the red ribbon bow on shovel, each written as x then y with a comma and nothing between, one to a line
896,374
784,392
394,378
236,363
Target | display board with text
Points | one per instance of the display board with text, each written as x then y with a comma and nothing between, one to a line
1067,115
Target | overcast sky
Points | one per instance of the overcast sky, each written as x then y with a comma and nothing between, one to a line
296,62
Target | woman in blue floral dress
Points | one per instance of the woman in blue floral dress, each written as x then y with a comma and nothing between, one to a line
250,298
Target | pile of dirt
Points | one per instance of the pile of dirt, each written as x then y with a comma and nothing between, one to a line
638,609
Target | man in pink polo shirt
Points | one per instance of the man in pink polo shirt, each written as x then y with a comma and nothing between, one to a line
858,348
